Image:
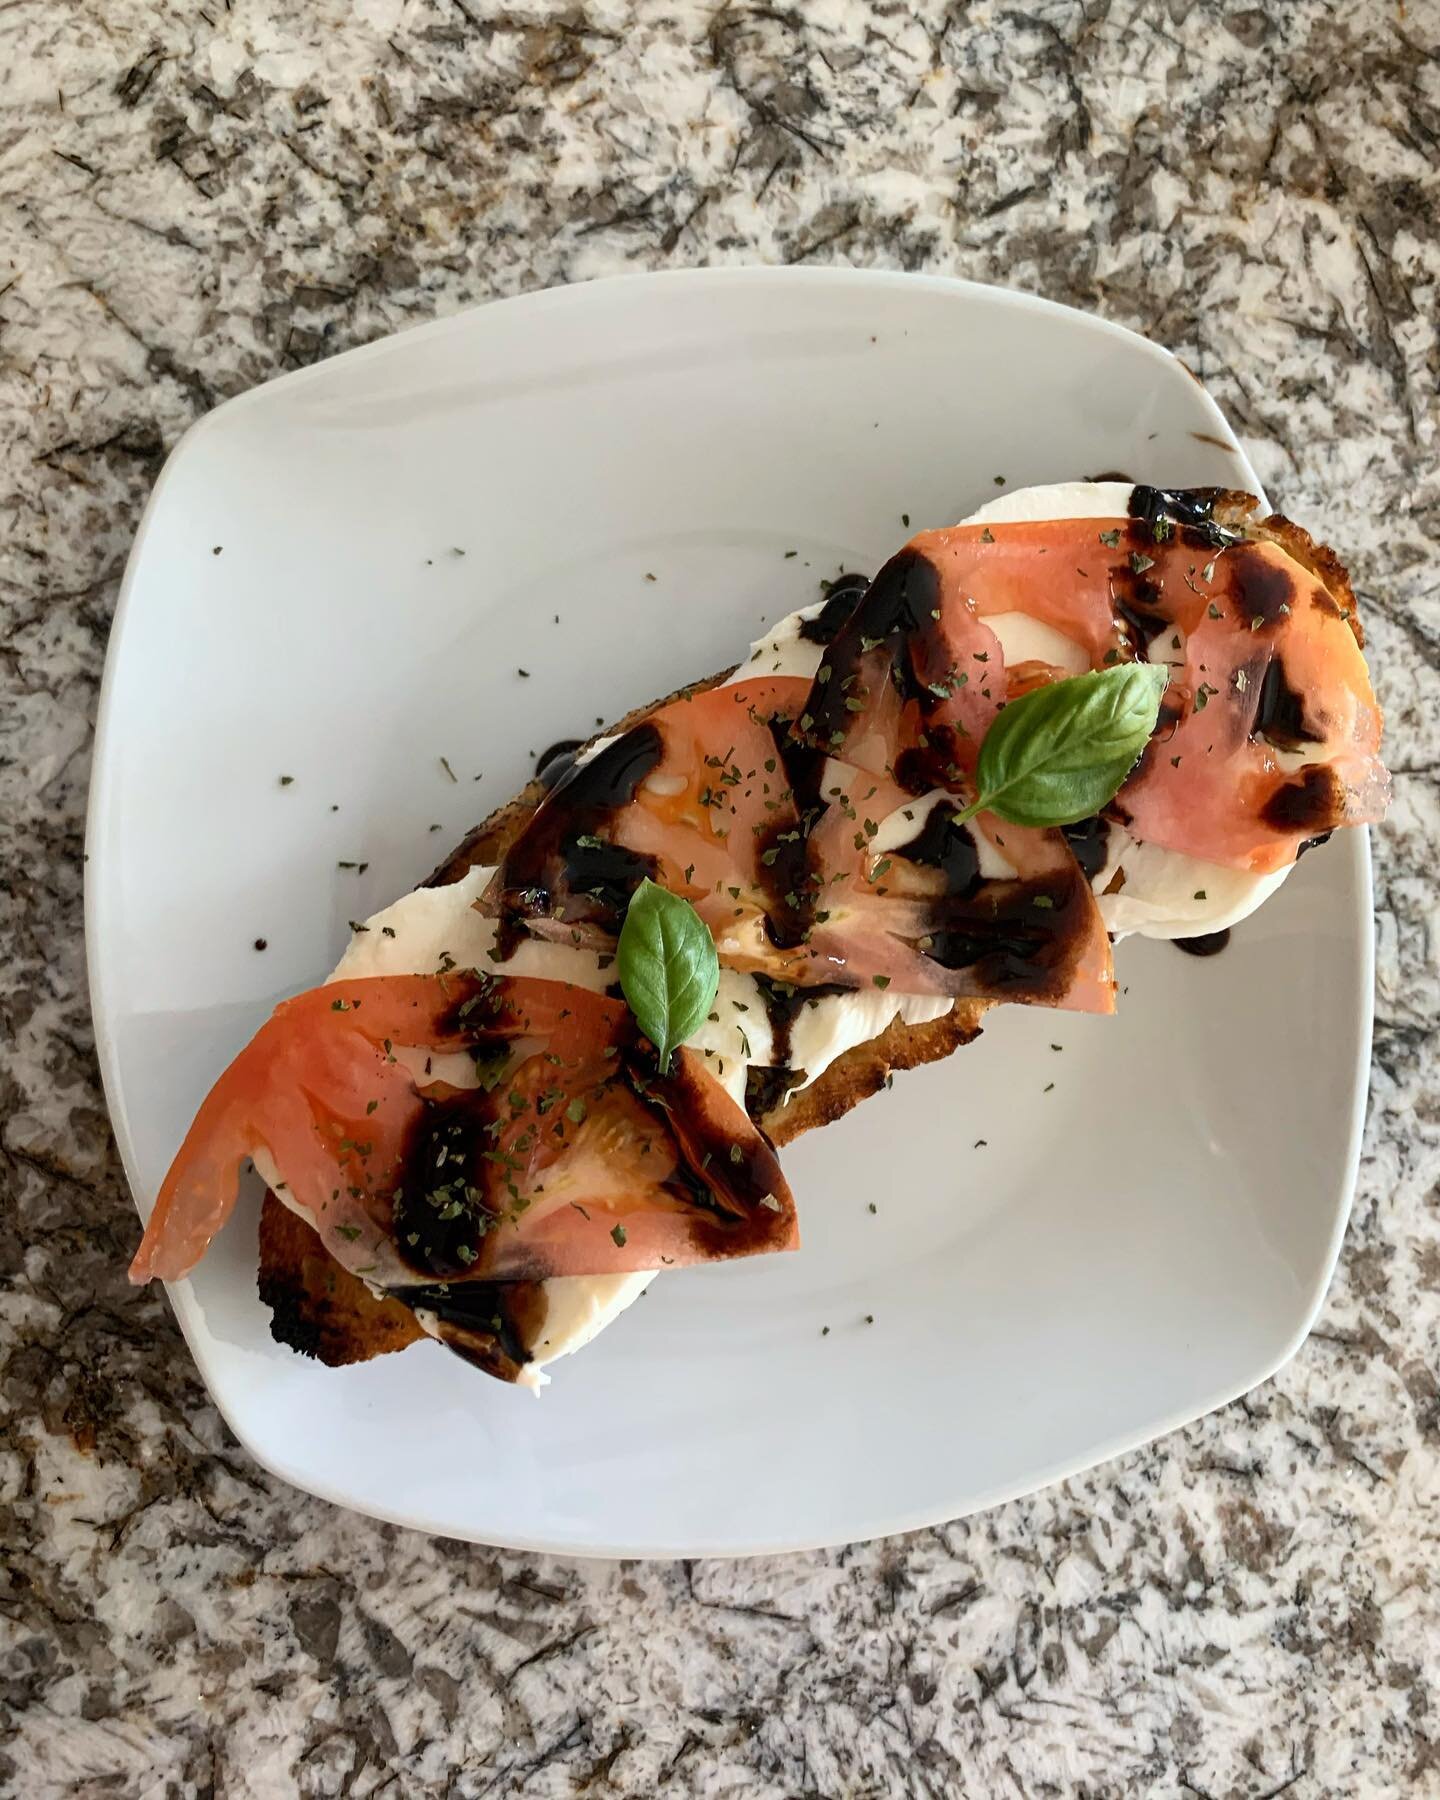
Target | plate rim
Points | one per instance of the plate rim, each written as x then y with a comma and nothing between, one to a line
101,815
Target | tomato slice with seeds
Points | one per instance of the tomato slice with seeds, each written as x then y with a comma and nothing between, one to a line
692,797
572,1156
1270,734
758,801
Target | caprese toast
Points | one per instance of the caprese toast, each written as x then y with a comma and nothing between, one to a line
563,1065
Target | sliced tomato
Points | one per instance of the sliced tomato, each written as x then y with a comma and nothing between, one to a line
573,1157
911,682
980,910
1059,571
691,797
1270,732
758,803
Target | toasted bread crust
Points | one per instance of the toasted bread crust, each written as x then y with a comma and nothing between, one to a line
1237,510
323,1311
317,1307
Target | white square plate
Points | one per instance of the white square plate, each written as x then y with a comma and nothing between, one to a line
1139,1242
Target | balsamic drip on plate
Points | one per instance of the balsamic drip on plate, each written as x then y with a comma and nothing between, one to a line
1210,944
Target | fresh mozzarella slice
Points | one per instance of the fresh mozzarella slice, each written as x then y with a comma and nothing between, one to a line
1024,639
1164,894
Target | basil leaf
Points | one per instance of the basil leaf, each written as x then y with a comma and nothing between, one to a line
1059,753
669,971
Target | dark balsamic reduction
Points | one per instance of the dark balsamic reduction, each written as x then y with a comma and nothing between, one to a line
1089,843
1265,591
726,1180
942,844
1140,602
1280,711
766,1088
896,614
556,762
783,873
842,597
783,1005
1018,936
440,1208
1193,508
1211,943
1263,596
493,1324
548,871
1019,945
1312,802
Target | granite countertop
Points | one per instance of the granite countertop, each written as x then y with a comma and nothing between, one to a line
194,199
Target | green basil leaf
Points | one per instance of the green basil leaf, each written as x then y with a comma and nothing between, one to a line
1059,753
669,971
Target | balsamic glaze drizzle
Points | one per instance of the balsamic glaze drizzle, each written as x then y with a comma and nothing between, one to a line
883,630
556,762
560,866
1190,507
495,1325
841,598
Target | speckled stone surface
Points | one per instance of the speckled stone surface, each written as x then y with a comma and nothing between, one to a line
195,198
